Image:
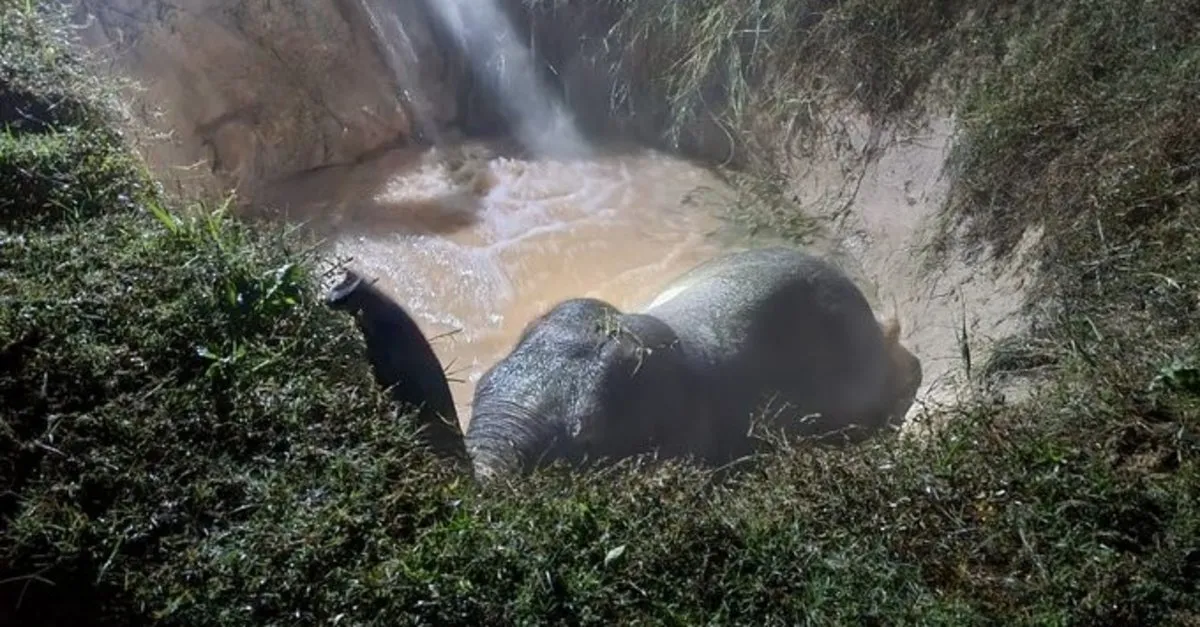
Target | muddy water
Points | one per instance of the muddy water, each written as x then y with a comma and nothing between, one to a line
475,244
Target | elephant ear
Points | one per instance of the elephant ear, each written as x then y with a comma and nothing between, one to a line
641,368
632,340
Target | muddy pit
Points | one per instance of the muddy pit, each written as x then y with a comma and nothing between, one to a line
348,115
476,242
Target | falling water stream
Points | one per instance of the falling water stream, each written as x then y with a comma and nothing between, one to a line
484,34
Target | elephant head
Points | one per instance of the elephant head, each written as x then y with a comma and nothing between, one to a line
584,383
402,360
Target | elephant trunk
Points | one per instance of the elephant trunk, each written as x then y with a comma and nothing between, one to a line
504,439
403,361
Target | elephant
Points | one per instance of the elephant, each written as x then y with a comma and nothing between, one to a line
682,377
402,360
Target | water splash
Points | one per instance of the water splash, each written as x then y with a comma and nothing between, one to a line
484,34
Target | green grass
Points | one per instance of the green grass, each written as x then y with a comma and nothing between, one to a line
188,437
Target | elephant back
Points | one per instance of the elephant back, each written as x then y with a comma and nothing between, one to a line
778,323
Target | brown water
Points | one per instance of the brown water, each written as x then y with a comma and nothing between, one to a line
475,244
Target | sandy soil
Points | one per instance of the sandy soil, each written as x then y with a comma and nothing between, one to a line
880,193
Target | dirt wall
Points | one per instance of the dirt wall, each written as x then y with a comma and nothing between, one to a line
253,90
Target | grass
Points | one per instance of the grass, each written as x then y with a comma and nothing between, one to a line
189,437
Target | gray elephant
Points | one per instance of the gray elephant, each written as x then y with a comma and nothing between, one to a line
402,360
683,378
